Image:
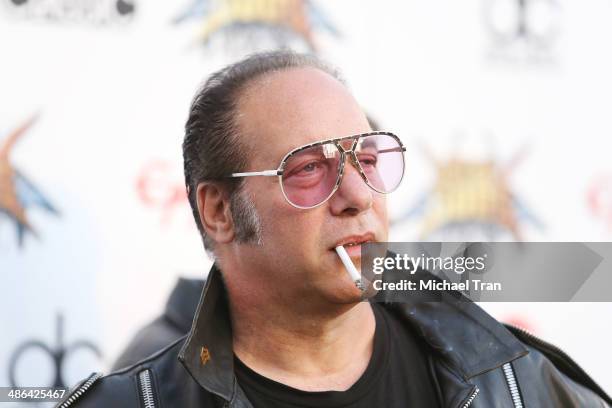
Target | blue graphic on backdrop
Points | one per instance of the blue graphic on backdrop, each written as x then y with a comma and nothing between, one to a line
17,192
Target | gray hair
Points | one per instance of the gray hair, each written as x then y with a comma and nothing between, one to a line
212,147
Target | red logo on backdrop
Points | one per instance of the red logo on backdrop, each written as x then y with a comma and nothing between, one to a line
159,187
599,198
522,321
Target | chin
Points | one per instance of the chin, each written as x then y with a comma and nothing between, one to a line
344,293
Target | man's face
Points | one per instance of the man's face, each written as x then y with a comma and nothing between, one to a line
276,114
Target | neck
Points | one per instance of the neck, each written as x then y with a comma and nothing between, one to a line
327,348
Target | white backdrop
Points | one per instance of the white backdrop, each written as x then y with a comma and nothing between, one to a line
111,94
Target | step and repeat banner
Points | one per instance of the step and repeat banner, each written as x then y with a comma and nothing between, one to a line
504,106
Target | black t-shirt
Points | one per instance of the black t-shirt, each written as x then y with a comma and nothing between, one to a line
396,376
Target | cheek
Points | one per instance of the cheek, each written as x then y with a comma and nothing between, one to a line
287,227
294,226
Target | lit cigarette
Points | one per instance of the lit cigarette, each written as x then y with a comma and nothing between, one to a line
350,267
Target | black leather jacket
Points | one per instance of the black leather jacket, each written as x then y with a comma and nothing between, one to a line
475,361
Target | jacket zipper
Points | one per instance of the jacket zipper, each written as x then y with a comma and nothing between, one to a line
84,387
512,385
471,398
146,389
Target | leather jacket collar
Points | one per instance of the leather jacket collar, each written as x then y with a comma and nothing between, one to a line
459,332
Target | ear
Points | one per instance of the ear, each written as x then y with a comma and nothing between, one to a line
214,211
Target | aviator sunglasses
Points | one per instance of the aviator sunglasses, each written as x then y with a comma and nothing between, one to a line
309,175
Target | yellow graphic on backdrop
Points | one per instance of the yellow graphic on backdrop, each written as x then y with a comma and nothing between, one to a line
284,21
290,14
468,191
470,197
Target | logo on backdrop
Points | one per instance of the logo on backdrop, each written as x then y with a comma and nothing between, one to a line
599,199
17,192
247,25
57,354
90,11
470,200
522,30
160,187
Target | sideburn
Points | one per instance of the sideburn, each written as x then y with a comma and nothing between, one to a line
247,223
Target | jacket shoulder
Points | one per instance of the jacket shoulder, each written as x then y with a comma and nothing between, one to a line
113,390
127,387
546,362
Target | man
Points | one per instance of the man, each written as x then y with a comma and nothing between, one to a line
281,167
175,321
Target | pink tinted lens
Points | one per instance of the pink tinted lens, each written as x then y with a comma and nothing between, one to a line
382,160
310,175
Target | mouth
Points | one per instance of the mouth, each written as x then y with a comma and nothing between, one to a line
353,243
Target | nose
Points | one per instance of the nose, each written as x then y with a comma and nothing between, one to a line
353,195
